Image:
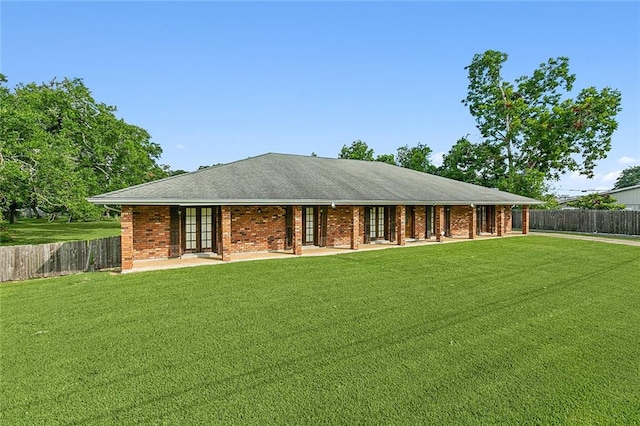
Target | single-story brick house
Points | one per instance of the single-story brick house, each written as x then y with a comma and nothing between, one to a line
280,202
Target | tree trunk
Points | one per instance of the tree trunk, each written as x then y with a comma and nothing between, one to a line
36,213
13,213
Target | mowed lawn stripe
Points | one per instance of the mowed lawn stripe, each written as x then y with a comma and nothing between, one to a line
43,231
517,330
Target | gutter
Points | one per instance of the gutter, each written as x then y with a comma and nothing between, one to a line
305,202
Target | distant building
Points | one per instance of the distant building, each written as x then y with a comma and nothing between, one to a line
629,196
564,200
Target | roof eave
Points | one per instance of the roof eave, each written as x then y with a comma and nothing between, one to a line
313,202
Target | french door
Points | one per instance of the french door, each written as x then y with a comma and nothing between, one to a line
486,219
430,223
309,225
447,221
199,226
314,226
288,242
375,223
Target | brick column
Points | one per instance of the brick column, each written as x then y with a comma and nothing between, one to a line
439,217
297,230
401,226
420,222
500,220
355,227
473,230
225,212
525,219
126,237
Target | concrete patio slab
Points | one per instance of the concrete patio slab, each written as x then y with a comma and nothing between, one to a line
202,259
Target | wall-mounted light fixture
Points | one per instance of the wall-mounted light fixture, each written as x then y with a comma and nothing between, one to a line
333,205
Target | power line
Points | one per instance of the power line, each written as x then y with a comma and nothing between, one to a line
579,190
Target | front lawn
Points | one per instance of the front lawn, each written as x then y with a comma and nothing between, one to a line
522,330
42,231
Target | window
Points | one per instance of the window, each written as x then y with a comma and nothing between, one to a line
372,222
200,225
380,233
309,225
376,223
289,224
485,219
190,228
431,221
206,226
447,221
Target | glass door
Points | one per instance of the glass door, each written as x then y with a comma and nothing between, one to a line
199,228
309,221
190,229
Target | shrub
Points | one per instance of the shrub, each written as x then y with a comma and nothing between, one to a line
597,202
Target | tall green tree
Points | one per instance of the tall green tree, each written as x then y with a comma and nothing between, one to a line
416,158
386,158
34,168
629,177
58,145
540,132
480,164
358,150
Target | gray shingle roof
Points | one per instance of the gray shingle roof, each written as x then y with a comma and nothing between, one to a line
625,189
285,179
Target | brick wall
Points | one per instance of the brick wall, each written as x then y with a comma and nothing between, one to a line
460,221
420,223
339,226
225,233
257,228
507,219
356,239
126,237
151,236
401,225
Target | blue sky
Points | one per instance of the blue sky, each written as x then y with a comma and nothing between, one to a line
221,81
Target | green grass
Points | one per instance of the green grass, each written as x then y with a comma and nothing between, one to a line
41,231
592,235
528,330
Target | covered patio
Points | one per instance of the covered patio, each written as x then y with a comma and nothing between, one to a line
204,259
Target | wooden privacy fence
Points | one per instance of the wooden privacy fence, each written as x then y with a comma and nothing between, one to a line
49,260
623,222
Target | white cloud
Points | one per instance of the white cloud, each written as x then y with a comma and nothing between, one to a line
437,157
180,146
611,177
627,160
575,176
